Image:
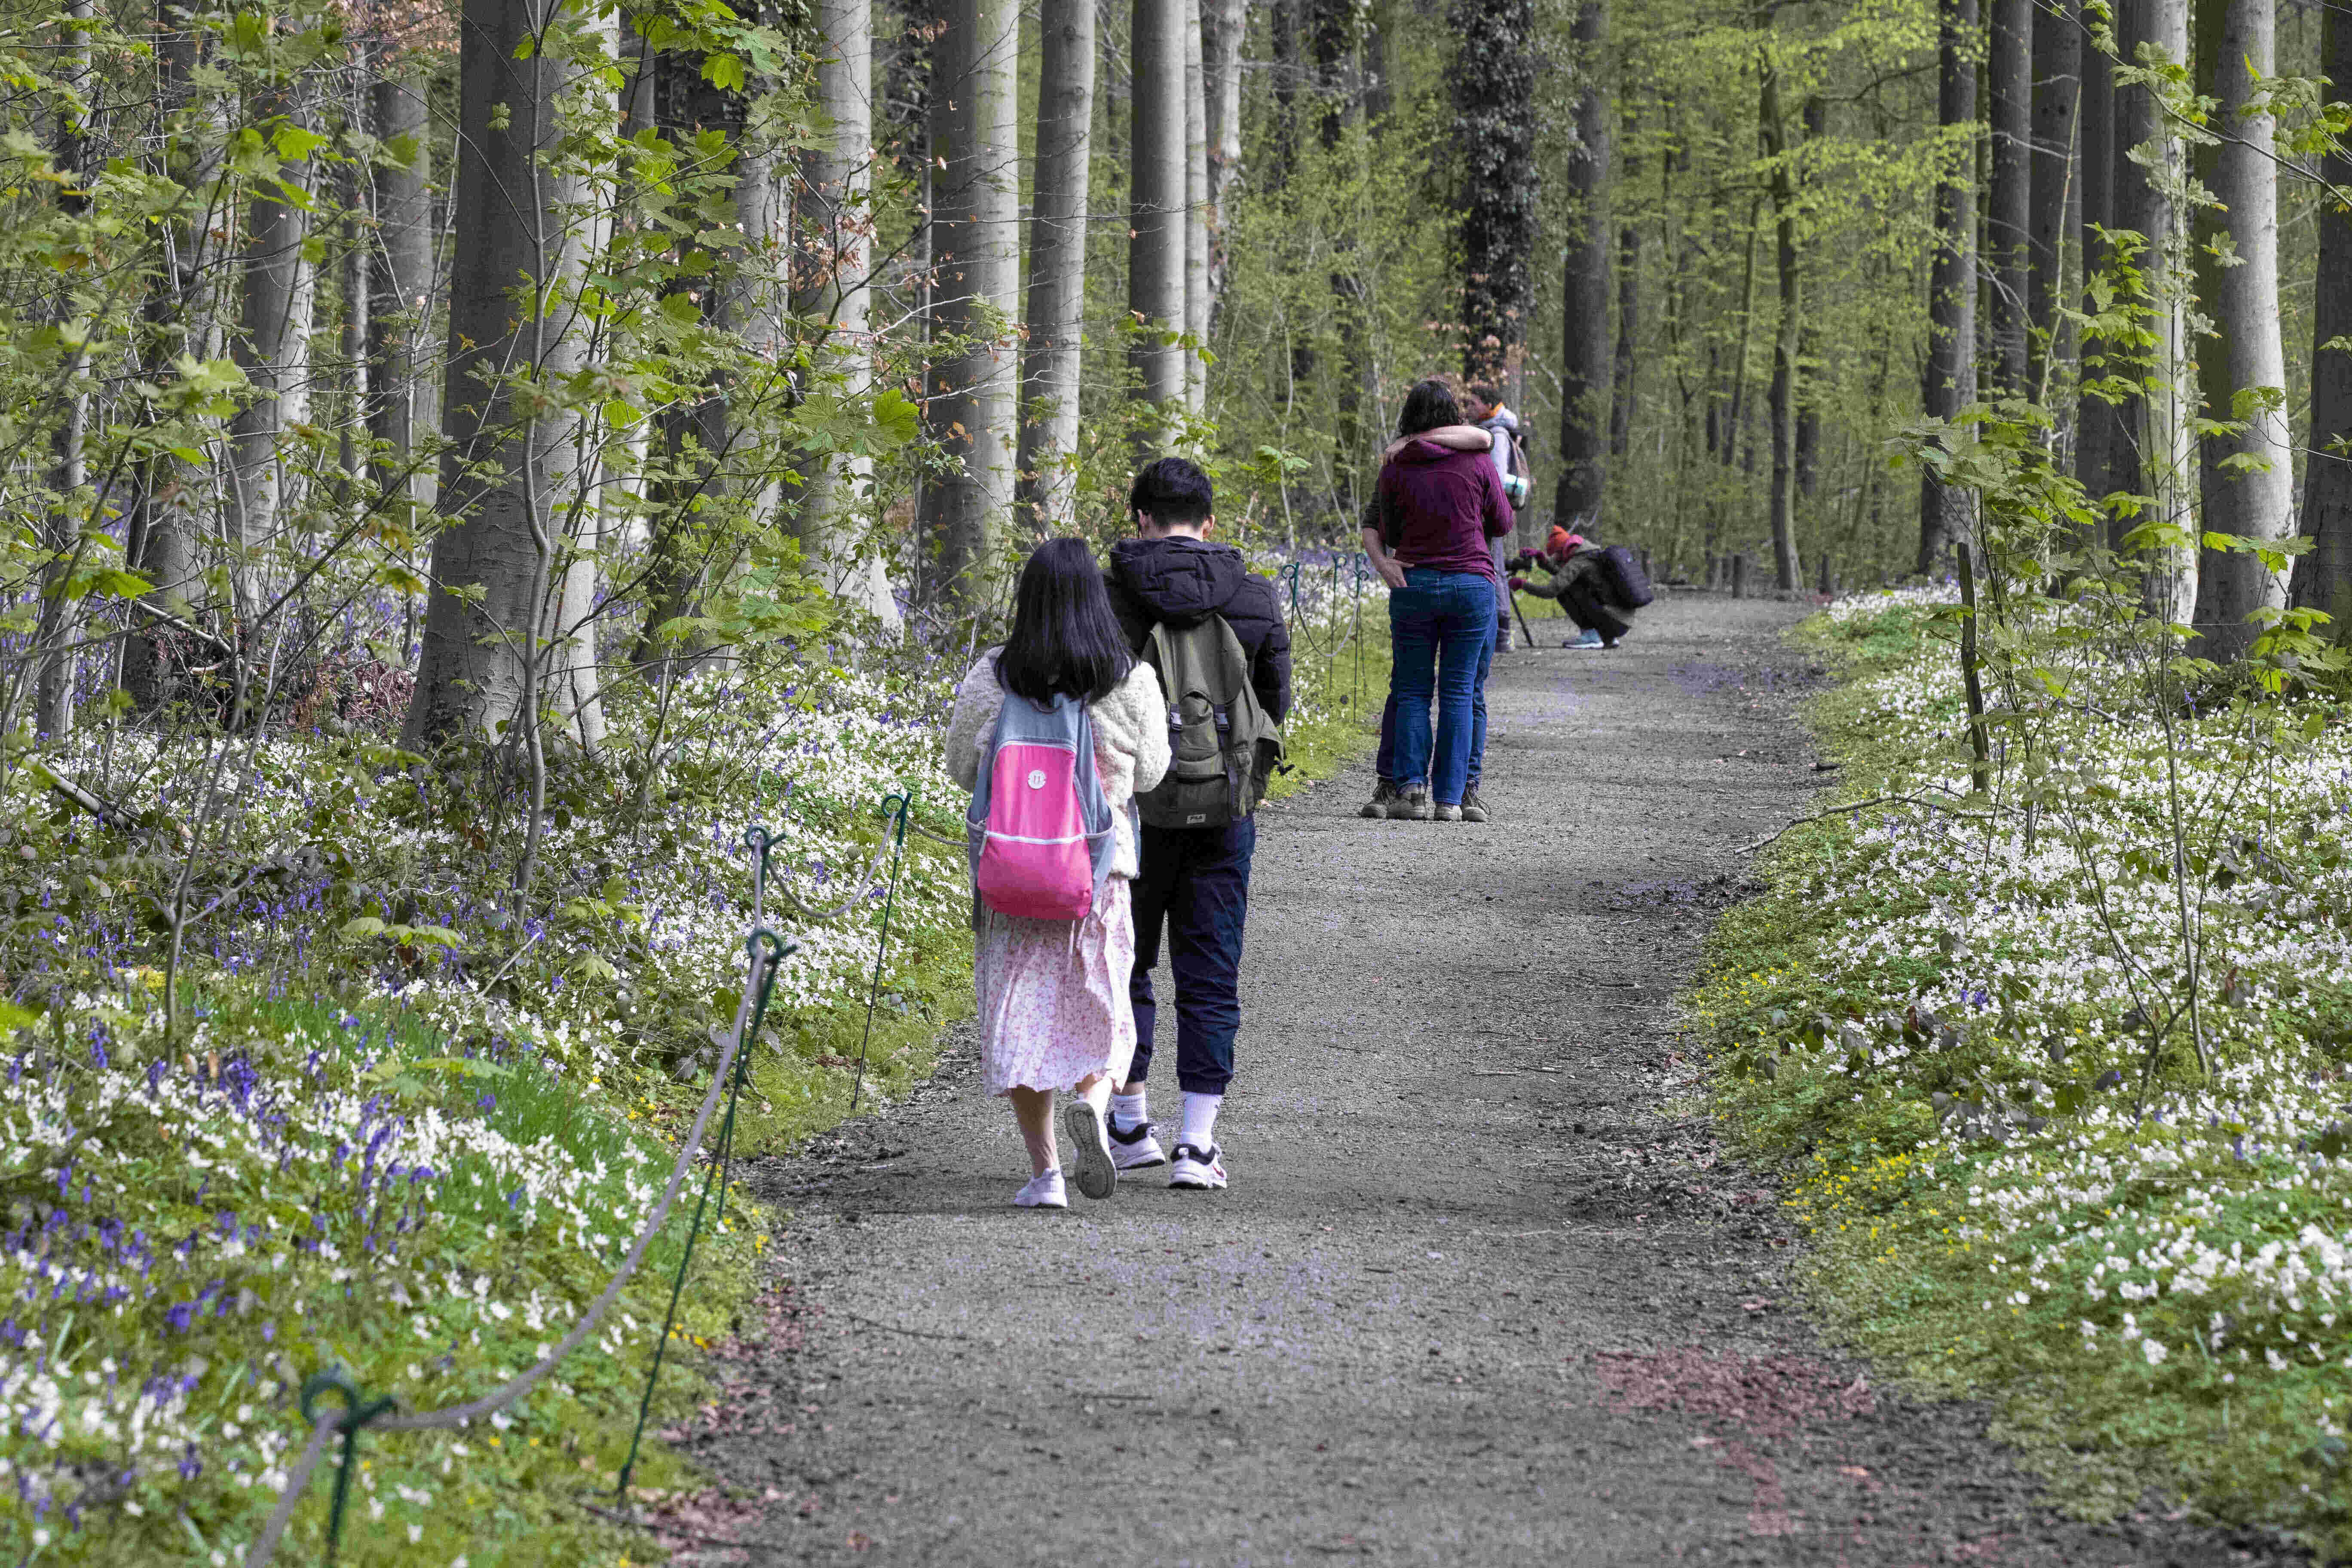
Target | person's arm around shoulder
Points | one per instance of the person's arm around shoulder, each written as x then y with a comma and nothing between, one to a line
1455,437
978,702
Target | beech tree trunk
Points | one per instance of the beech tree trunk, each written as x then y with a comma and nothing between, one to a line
2098,428
2246,481
1808,414
1157,188
1196,210
273,347
973,395
164,525
836,221
1057,267
1772,134
1623,371
2158,457
2057,192
1584,332
505,625
2323,576
1949,381
59,627
2009,207
401,283
1224,28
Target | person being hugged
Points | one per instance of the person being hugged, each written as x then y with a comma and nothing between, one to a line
1054,732
1438,508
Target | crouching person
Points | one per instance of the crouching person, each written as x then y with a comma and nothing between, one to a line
1598,588
1213,634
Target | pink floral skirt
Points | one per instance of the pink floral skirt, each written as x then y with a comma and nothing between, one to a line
1053,995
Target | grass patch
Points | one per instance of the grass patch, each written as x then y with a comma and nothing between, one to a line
2017,1185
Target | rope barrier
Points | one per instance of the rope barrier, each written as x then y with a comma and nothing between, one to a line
906,802
766,978
763,946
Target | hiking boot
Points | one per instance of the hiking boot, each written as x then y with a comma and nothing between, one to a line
1410,805
1449,814
1378,806
1472,808
1199,1170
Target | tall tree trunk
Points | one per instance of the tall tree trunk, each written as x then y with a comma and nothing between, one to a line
834,218
1623,372
58,628
1224,26
1196,211
975,212
1772,132
1809,413
182,316
1584,313
498,647
274,349
1155,273
2323,577
2246,481
2161,453
2098,428
1949,381
2057,191
1057,267
400,401
2009,207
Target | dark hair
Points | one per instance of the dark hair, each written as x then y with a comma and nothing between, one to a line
1429,405
1486,392
1064,640
1171,491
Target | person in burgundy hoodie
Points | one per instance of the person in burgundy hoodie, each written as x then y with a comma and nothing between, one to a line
1439,509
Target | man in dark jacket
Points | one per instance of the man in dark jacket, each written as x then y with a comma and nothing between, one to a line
1193,881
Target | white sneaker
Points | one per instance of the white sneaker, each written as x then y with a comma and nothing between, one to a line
1087,1130
1044,1192
1197,1169
1135,1148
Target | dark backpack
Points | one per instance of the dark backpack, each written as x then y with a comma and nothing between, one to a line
1222,746
1630,585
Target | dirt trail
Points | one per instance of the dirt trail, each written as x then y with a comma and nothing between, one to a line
1473,1296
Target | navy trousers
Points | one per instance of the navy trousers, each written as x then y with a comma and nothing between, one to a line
1195,883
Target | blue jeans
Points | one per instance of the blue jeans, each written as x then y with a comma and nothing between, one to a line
1385,764
1196,881
1442,625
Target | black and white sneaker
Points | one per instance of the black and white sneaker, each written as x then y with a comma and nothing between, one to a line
1134,1149
1088,1130
1198,1169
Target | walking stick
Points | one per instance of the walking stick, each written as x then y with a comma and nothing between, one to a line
1523,616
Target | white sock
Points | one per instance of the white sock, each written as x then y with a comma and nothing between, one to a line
1201,1120
1128,1113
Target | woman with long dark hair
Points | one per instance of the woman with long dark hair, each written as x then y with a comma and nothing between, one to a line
1438,507
1053,1012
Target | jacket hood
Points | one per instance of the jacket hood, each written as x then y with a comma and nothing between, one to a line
1503,420
1179,581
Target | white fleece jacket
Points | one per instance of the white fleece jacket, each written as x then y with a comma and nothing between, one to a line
1130,740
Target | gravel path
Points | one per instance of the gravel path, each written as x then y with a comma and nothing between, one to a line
1483,1290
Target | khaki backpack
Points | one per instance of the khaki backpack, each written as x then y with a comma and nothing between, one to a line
1223,748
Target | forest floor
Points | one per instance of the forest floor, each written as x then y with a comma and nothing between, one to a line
1486,1288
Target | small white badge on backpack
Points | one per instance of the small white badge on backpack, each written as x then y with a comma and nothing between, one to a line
1036,778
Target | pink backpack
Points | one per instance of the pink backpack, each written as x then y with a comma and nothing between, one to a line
1040,827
